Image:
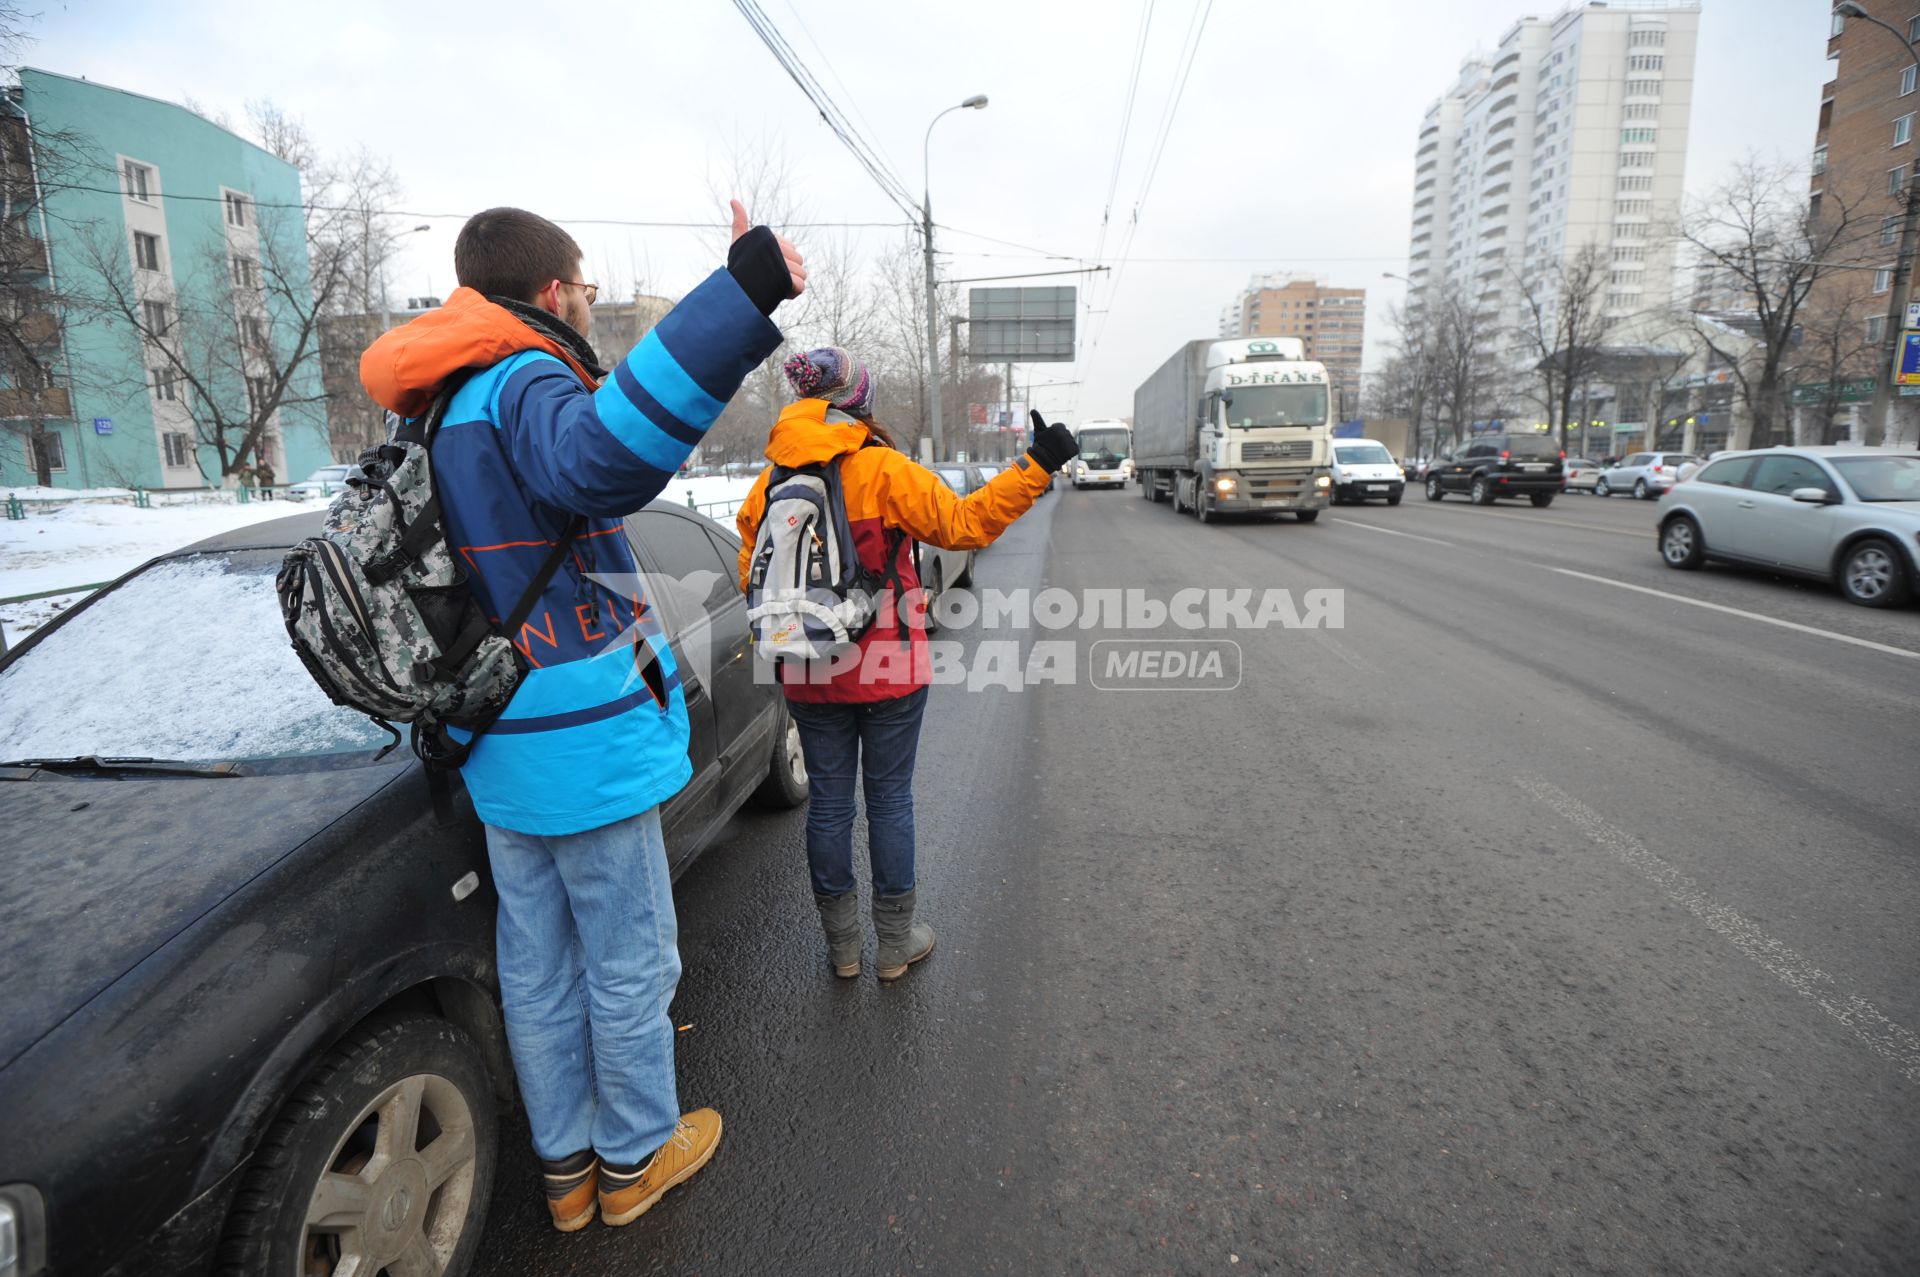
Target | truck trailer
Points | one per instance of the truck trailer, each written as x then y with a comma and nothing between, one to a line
1236,426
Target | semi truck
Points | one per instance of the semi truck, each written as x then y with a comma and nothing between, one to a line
1106,454
1236,426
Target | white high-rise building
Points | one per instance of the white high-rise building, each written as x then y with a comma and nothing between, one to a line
1572,132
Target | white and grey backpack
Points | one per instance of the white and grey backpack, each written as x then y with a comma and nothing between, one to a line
808,595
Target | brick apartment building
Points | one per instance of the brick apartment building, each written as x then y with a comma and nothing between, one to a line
1863,158
1331,321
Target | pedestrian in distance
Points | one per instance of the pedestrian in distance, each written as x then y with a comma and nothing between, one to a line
539,444
863,721
264,476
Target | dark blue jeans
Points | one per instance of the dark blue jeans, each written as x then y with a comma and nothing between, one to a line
879,741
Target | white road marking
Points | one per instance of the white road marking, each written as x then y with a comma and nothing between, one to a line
1882,1036
1649,533
1390,532
1734,611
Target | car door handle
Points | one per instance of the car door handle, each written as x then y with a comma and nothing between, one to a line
1746,505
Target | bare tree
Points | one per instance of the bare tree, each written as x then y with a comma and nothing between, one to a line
1468,379
1564,328
1834,349
1765,250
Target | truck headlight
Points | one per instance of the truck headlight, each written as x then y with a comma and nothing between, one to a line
1323,481
1225,485
23,1231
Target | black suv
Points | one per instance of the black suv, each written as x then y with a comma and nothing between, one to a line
1489,467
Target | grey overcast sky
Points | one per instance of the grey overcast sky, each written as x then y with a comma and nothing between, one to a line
1292,146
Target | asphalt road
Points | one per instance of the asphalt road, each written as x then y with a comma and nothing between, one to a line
1527,923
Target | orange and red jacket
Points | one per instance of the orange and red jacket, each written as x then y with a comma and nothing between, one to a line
886,492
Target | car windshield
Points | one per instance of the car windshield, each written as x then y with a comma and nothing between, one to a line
1103,445
329,474
1881,478
955,479
988,472
1366,454
1295,405
189,660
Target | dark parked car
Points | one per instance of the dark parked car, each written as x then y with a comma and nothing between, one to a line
250,1012
1489,467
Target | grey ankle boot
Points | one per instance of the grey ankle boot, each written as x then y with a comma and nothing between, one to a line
902,940
840,919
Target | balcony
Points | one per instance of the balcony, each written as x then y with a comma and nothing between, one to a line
1504,144
49,403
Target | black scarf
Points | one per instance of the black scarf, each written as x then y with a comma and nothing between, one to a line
548,324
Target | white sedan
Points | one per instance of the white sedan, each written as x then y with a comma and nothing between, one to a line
1846,514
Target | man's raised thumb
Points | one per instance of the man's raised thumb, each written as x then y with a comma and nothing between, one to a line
740,223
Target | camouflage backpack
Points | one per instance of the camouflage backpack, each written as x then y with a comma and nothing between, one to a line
379,610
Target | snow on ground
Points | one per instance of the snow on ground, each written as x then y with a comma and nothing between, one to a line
86,542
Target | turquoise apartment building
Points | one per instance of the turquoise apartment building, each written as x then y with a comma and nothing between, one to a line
145,201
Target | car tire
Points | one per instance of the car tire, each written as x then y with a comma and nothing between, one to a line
1481,493
420,1073
1639,489
1306,516
1541,500
1434,490
786,784
935,587
1203,508
1600,488
1872,574
1681,545
965,579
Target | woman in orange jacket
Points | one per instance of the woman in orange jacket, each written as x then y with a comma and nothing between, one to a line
865,718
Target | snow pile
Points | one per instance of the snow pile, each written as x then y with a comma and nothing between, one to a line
36,493
718,495
187,661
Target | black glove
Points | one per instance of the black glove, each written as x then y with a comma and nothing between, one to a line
760,268
1053,445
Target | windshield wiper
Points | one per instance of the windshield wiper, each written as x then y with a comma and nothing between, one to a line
95,765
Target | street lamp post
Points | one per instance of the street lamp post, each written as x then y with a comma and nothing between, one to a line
1883,393
386,310
974,103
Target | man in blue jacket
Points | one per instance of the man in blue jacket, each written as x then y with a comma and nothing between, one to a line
570,778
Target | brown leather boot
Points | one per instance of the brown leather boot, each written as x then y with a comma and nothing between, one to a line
628,1193
573,1186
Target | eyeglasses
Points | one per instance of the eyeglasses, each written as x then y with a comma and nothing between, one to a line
593,290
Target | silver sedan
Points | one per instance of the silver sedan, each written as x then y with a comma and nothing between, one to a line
1847,514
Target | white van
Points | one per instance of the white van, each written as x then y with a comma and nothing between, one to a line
1363,468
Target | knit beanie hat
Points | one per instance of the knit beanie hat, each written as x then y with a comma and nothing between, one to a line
830,373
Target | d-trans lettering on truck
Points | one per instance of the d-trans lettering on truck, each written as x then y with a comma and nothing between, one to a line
1236,427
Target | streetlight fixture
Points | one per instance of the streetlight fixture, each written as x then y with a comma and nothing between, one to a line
1883,392
386,311
975,103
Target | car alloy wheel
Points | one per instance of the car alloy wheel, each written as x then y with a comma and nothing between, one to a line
1872,577
1434,490
786,782
1640,490
1600,488
1680,543
1481,493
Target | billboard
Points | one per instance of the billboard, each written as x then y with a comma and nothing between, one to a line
1021,325
1909,374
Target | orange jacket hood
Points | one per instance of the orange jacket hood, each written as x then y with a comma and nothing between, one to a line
402,369
804,437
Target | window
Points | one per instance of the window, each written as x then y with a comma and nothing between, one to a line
680,548
1876,329
256,332
137,175
52,446
1645,62
256,395
1903,130
1643,88
1636,183
1889,229
178,448
243,272
1883,279
1631,208
1781,475
146,251
1620,301
1636,135
1819,160
1636,159
1731,473
1896,178
154,315
1906,80
1631,253
1839,25
1913,29
166,385
1641,111
1646,39
236,209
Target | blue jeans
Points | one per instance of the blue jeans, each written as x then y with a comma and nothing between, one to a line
588,963
878,740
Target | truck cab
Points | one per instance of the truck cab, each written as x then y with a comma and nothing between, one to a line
1265,431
